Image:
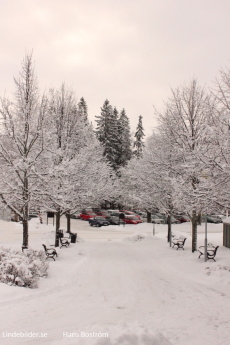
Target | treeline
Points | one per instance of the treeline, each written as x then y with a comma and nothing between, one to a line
113,132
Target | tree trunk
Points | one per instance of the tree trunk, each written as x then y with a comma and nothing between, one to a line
25,241
194,231
57,228
25,234
148,217
169,228
68,222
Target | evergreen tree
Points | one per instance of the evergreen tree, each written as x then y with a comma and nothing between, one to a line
83,109
107,133
139,135
125,152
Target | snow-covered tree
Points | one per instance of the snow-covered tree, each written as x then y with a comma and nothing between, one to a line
78,174
217,158
124,135
184,127
83,109
145,180
22,144
107,133
138,142
66,131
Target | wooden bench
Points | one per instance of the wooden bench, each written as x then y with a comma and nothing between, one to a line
50,252
179,242
211,251
65,241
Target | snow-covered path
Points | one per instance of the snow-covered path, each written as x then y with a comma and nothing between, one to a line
135,285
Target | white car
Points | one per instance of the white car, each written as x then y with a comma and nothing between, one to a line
113,211
156,220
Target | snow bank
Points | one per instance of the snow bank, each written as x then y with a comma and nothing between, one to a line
134,238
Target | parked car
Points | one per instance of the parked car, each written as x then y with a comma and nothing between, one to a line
116,214
182,218
211,219
156,220
112,211
174,220
96,209
98,221
87,209
114,220
165,217
87,215
132,219
130,213
162,216
32,216
104,214
76,215
220,216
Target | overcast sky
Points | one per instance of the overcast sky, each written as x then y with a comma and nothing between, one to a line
128,51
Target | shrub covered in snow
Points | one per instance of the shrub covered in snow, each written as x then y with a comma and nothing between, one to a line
22,269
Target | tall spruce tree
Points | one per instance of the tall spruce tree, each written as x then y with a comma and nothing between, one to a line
125,151
139,135
83,109
107,133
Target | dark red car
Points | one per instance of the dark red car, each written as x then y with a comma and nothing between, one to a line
87,215
130,213
103,214
131,219
182,218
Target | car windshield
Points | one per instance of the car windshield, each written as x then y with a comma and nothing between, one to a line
99,218
91,213
132,217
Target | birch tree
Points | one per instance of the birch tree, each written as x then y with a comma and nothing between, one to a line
183,126
22,144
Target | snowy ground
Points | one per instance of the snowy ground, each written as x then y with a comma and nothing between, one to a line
122,282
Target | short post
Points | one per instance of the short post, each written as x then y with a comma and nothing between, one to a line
205,240
170,228
153,229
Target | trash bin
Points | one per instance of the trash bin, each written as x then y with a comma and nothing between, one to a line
73,237
60,233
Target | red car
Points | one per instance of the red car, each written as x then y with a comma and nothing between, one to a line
103,214
130,213
131,219
87,215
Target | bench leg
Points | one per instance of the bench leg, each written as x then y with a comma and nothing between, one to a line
211,259
50,257
180,246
